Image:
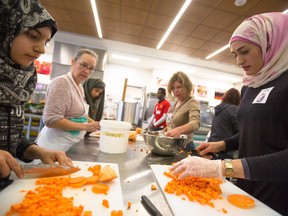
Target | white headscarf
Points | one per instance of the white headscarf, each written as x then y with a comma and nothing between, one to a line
269,32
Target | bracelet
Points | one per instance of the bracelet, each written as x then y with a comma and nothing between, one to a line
229,168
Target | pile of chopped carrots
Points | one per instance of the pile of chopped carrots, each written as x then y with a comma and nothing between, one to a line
47,198
202,190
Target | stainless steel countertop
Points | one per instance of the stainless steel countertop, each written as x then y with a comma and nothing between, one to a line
135,174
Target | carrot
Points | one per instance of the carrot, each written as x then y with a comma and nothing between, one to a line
95,169
116,213
100,188
105,203
87,213
45,200
241,201
202,190
92,180
138,130
153,187
129,205
77,182
107,174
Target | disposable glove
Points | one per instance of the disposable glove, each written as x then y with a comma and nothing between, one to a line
197,167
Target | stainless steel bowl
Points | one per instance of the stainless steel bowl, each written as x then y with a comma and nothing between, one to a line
163,145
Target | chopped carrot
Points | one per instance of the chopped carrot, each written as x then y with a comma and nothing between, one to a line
95,169
138,130
77,182
116,213
153,187
45,200
202,190
100,188
241,201
224,211
105,203
92,180
87,213
129,205
107,174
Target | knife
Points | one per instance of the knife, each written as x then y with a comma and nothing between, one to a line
149,206
44,170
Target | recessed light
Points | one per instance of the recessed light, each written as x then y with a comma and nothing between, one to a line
239,3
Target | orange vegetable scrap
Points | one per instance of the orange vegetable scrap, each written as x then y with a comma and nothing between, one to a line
138,130
105,203
153,187
202,190
129,205
224,211
92,180
95,169
77,182
116,213
45,200
100,188
241,201
107,174
87,213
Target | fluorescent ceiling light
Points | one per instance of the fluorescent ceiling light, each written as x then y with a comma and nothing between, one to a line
217,51
227,45
126,58
96,17
167,33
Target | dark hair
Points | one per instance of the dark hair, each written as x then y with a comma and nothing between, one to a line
163,90
232,96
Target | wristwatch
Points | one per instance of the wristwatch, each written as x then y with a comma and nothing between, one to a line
229,168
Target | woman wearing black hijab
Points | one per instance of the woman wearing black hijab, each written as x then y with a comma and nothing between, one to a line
26,27
95,96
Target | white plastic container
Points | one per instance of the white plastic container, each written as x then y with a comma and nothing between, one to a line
114,136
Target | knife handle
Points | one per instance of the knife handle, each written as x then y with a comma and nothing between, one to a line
5,182
149,206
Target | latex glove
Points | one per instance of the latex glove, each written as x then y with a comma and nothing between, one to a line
197,167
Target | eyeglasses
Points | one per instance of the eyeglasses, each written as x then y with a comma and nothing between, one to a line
85,66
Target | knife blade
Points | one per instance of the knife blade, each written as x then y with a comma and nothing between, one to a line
149,206
44,170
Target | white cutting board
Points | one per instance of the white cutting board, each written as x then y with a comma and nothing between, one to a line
181,207
91,201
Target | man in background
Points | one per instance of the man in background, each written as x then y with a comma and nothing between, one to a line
158,119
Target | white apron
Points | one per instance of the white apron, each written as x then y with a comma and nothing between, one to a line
62,140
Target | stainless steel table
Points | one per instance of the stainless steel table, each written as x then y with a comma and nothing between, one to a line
135,174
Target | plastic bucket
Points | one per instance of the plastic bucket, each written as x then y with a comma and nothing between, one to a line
114,136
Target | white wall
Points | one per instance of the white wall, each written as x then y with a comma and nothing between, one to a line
114,78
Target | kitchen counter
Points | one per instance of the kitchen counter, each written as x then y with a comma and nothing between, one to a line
135,174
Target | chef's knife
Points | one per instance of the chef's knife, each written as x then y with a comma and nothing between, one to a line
44,170
149,206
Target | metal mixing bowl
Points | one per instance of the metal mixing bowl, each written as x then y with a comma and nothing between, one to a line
163,145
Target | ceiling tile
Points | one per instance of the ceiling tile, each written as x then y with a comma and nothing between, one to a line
152,33
176,38
193,42
158,21
197,12
184,27
203,32
219,19
132,15
167,7
131,29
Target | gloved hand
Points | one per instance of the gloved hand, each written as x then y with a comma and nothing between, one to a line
197,167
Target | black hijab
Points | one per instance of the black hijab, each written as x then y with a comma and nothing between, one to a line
96,105
16,17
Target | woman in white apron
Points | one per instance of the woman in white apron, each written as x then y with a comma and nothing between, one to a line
66,112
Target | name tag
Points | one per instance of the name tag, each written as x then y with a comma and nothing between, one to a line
261,98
